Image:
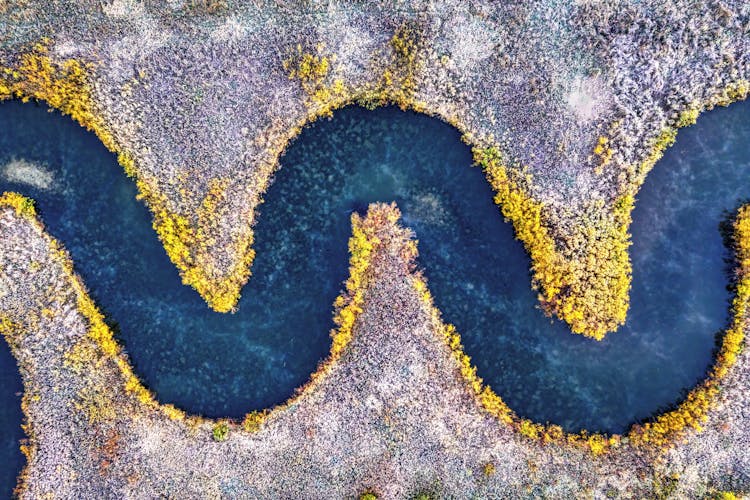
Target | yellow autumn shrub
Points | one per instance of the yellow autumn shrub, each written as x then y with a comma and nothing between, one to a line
362,244
692,412
590,293
65,85
22,205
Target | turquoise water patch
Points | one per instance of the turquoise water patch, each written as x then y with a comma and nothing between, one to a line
227,364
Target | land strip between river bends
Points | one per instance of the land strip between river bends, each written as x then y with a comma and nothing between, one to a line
65,85
568,110
89,417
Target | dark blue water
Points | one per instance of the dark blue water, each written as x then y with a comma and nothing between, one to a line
226,365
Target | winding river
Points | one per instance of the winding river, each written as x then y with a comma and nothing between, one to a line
226,365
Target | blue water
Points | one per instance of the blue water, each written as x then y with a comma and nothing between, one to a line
225,365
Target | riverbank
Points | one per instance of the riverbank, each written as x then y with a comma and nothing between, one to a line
568,107
567,114
396,409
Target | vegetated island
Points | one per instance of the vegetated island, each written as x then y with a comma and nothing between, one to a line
567,107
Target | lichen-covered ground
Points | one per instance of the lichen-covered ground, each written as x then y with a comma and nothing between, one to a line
568,105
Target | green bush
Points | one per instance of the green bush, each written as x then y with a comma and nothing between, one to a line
221,431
